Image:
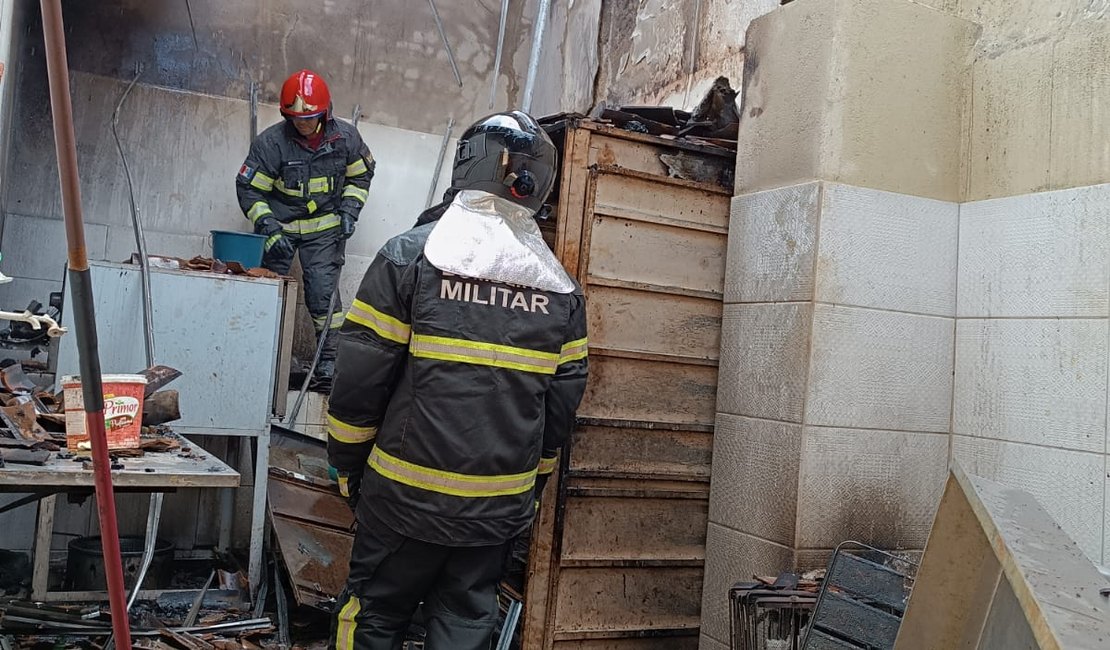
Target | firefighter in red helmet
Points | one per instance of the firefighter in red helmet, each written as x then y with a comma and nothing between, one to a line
303,185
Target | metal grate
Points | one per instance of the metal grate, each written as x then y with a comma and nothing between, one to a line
766,617
862,600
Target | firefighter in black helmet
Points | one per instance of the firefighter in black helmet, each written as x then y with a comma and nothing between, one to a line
461,364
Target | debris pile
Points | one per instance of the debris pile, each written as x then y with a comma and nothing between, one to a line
204,265
33,422
153,626
31,328
715,121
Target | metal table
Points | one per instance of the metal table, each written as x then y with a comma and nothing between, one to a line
229,335
155,472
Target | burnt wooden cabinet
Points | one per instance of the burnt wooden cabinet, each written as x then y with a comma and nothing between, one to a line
616,560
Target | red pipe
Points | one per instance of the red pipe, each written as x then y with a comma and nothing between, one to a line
84,316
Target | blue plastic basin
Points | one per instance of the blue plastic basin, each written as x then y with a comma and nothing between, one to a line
242,247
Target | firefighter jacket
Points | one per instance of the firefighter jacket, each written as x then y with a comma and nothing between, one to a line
453,394
306,190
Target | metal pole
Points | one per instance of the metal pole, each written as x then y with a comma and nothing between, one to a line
500,48
140,238
446,43
439,163
508,629
534,58
254,109
92,389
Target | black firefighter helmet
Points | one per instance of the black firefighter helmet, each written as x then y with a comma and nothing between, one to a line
509,155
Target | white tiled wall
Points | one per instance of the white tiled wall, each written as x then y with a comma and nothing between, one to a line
887,251
1106,513
1036,255
923,332
1031,373
732,556
772,243
755,480
764,350
835,386
1041,381
879,370
880,487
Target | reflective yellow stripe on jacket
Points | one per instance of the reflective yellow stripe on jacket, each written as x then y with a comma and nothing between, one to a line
258,210
355,192
309,226
547,465
262,182
357,168
279,185
573,351
382,324
452,483
443,348
349,433
336,321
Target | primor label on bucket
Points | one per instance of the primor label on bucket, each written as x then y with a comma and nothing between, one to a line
120,412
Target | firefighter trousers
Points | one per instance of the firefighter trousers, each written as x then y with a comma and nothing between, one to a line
321,262
391,575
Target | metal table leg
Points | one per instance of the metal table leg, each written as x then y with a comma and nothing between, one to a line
258,510
44,533
227,495
154,515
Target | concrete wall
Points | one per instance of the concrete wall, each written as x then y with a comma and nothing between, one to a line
857,103
383,54
389,60
12,18
1026,116
668,52
184,180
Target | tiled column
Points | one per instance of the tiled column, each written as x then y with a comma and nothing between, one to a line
879,388
835,383
836,380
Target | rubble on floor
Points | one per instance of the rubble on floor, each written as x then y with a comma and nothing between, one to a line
153,626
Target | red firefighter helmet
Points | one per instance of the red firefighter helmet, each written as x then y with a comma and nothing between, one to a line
305,94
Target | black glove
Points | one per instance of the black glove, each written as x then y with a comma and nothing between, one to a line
276,242
268,225
280,246
347,225
349,486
